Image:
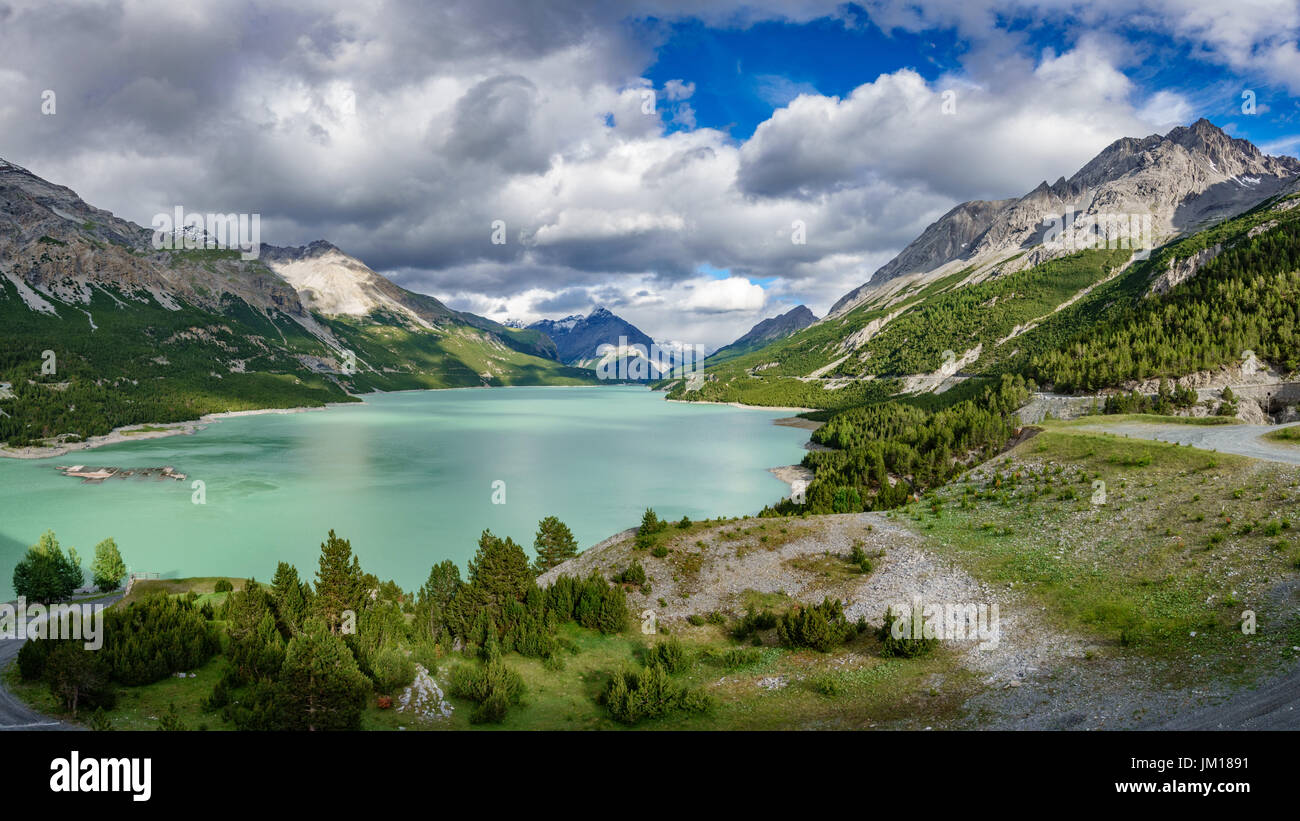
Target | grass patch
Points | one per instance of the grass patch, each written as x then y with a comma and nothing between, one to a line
1287,436
1146,418
1144,545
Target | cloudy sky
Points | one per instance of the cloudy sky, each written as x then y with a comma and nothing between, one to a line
645,156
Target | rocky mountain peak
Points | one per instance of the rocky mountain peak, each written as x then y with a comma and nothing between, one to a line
1185,180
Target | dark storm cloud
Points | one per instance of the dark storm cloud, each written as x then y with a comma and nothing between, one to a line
494,125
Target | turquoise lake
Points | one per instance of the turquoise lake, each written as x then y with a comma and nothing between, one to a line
407,477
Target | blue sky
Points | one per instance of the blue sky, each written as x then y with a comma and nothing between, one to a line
743,74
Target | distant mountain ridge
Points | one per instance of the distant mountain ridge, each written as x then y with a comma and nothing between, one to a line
766,332
1030,285
578,338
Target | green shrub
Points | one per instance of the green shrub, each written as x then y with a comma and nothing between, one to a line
906,646
634,574
391,670
651,525
31,659
732,658
826,684
670,655
77,677
223,586
821,627
859,557
752,622
155,637
492,687
171,720
649,693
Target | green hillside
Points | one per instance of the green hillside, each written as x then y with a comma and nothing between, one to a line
1080,323
120,361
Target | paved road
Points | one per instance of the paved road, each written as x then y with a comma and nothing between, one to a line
16,715
1244,440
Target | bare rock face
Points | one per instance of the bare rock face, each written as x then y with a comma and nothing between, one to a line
951,237
1184,181
1180,271
55,243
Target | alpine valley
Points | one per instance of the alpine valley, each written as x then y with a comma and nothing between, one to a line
140,335
982,414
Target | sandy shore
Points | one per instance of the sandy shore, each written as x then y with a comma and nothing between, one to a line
136,433
791,474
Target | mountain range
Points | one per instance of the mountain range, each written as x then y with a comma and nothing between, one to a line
999,286
765,333
578,338
104,329
1184,181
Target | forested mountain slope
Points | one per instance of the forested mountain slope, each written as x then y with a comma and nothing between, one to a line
1078,315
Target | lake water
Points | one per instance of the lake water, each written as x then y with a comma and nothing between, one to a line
407,477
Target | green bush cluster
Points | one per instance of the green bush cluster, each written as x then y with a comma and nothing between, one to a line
908,646
670,655
821,627
492,687
648,693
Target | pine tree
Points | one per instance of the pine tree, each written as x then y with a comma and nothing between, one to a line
79,678
339,582
554,544
435,597
45,573
613,611
286,588
498,572
256,647
320,685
